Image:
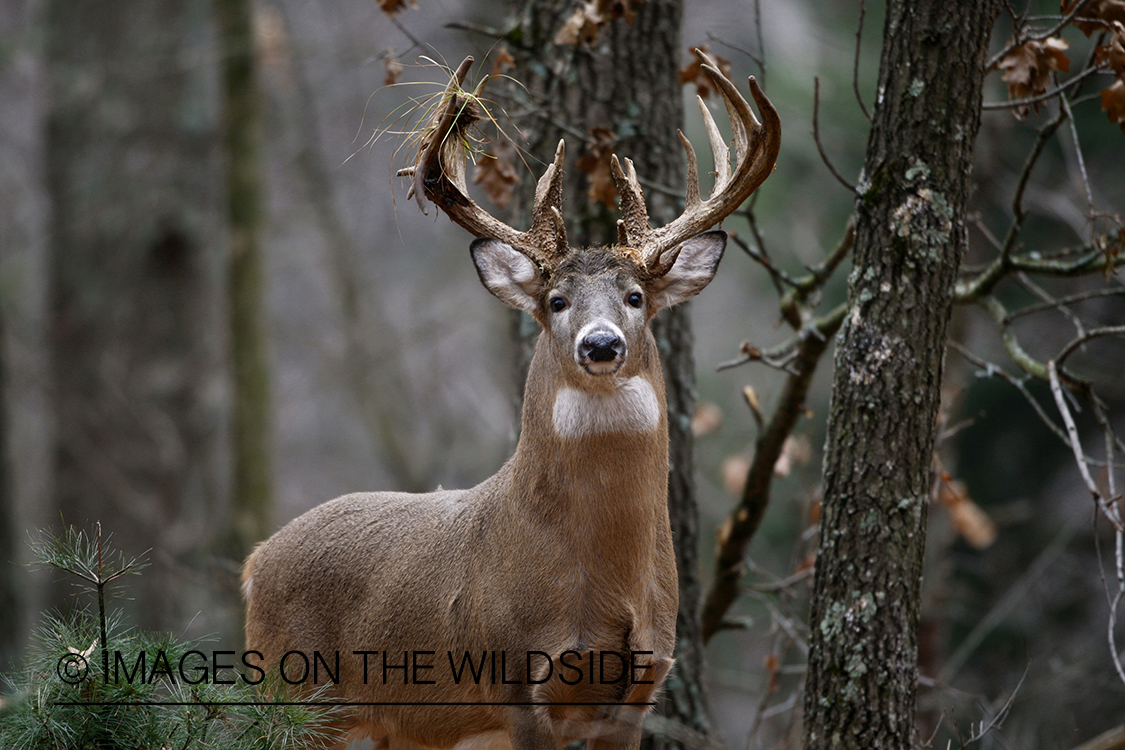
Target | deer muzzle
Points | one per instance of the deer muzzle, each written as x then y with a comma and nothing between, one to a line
601,348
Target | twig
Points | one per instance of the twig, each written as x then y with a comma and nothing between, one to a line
816,137
779,276
1017,37
1068,300
743,521
1095,333
1079,458
1046,94
990,370
1010,599
855,60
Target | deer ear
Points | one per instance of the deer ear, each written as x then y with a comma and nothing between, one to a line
507,273
694,268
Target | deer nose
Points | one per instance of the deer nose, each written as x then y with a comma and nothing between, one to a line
601,346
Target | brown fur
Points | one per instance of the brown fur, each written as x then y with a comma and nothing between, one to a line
566,547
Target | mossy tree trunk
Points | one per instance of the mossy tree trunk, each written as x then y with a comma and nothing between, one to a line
241,102
625,84
910,238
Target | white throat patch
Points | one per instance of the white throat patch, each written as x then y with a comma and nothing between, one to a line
632,407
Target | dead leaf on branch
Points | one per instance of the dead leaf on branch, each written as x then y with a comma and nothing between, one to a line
1112,55
589,18
1027,70
392,67
972,523
693,73
496,172
503,62
596,164
1094,11
1113,102
392,7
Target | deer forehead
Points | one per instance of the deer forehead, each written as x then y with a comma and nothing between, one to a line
630,407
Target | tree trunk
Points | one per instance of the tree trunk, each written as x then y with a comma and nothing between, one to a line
626,83
910,238
134,308
251,495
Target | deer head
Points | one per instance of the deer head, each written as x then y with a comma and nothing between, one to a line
439,176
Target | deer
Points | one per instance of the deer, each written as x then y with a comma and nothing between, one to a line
539,607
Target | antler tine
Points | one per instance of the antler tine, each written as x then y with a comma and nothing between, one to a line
756,145
719,151
756,148
633,228
547,228
691,179
439,175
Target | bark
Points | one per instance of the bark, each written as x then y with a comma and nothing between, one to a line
910,237
131,177
626,82
252,490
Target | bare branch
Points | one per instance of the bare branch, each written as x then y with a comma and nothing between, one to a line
816,137
1079,457
742,523
855,60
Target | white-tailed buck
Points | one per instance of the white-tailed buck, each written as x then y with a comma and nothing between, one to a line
538,607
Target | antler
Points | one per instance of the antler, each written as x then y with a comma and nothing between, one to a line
439,175
756,148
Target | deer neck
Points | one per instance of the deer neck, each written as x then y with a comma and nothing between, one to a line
593,456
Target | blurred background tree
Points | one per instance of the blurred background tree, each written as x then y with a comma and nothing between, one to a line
391,370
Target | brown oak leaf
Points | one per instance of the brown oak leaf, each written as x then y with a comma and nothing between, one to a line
1094,11
392,7
1113,102
588,19
1027,70
1113,54
496,173
582,27
596,163
693,73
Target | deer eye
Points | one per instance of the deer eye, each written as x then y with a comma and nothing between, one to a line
636,299
556,304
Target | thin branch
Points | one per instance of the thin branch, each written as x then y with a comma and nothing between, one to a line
743,521
1068,300
987,279
855,60
778,275
988,369
816,137
1018,38
1065,104
1049,94
1007,603
1079,457
783,355
1095,333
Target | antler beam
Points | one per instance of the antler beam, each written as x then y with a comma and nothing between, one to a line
439,175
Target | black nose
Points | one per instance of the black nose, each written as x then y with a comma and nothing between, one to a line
602,347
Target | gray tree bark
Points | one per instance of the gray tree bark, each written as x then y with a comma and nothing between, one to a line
910,238
135,305
627,83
